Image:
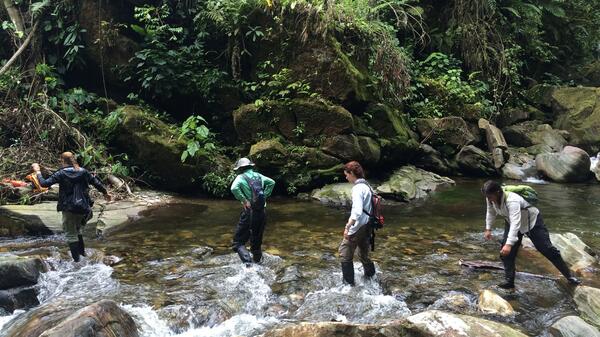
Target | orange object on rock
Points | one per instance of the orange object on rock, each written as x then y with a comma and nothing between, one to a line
36,183
15,183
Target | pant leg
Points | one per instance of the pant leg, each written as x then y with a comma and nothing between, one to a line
346,250
257,229
242,231
541,240
72,225
509,261
364,244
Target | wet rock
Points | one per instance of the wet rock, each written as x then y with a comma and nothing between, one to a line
35,321
339,194
329,329
572,164
454,302
574,251
409,182
389,122
533,133
101,319
474,161
300,118
491,303
495,141
595,166
439,323
432,160
588,304
438,132
577,110
18,298
573,326
18,271
519,172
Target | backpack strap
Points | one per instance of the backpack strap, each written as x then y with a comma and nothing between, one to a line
249,182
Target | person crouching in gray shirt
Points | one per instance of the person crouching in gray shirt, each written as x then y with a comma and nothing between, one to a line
357,232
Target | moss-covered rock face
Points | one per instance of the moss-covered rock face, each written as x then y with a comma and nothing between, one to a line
578,111
268,152
409,182
532,133
352,147
451,133
339,194
154,146
294,119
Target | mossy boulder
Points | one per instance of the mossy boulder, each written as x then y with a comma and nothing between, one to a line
268,153
339,194
409,183
534,133
431,159
295,119
577,110
514,115
352,147
155,146
389,122
447,134
572,164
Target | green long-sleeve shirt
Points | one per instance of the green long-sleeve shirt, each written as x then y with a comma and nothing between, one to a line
241,190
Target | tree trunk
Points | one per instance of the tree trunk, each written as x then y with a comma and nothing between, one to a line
15,17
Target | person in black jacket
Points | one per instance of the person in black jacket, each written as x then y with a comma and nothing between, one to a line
73,198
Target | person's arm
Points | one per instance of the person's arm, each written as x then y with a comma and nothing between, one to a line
53,179
236,189
268,185
514,218
357,208
94,181
490,215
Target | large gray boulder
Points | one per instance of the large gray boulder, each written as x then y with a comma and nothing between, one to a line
574,251
409,183
573,326
352,147
101,319
474,161
329,329
18,298
588,304
572,164
532,133
439,323
339,194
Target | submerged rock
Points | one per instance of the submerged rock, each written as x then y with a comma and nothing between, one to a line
573,326
439,323
18,298
588,304
572,164
491,303
329,329
409,182
101,319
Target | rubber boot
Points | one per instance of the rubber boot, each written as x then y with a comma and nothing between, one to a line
244,255
74,247
81,245
369,269
561,265
257,256
348,273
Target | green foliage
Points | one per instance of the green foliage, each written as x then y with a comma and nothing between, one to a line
280,85
173,60
199,138
62,30
439,89
218,183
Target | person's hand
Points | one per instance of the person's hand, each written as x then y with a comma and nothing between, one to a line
35,167
108,197
346,236
487,234
246,204
505,250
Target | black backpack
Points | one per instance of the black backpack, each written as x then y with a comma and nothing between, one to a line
258,200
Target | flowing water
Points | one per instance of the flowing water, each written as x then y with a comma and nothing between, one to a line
180,278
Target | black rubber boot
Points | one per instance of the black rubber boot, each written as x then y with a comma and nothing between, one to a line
257,256
508,285
369,269
81,245
74,247
574,281
348,272
244,254
561,265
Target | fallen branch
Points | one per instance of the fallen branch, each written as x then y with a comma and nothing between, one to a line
20,50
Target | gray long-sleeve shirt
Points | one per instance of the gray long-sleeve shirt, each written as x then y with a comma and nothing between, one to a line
361,200
519,213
